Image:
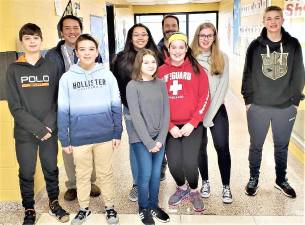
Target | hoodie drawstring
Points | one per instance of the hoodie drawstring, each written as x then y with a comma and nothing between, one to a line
281,54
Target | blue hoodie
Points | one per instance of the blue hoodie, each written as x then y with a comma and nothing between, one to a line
89,107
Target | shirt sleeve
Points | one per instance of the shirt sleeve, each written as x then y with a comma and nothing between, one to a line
219,96
165,119
136,116
246,88
63,114
203,99
298,76
116,108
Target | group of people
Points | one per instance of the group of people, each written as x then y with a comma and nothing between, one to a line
171,94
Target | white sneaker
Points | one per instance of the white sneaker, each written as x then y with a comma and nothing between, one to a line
205,190
226,194
81,216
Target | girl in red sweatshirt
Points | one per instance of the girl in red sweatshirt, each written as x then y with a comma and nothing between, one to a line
188,91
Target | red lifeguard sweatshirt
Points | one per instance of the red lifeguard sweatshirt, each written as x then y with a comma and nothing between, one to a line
188,93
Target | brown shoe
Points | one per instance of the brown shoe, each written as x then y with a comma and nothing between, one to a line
70,194
95,191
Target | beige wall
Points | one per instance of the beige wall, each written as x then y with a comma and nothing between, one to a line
237,60
41,12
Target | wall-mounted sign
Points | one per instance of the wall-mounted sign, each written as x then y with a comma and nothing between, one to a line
294,8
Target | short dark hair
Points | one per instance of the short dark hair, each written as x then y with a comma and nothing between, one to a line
273,8
84,37
29,29
170,16
60,25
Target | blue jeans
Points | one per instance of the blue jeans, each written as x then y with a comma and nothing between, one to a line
149,165
132,158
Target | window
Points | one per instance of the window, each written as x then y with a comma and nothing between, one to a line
188,22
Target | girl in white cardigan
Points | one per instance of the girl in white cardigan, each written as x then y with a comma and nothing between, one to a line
205,46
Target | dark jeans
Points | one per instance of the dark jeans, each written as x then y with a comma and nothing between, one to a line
182,156
149,167
27,157
259,120
220,135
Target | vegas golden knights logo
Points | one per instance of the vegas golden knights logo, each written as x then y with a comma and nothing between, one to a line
274,67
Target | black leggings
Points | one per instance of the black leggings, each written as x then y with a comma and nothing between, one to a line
220,135
182,156
27,156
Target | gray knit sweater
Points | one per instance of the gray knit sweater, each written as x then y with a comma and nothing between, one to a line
149,110
218,85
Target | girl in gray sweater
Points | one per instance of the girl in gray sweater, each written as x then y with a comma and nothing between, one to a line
149,109
205,46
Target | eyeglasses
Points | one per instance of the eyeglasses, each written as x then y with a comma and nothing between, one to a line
203,36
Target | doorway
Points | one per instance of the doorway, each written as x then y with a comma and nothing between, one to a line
111,32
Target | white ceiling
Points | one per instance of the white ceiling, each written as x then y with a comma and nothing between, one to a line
162,2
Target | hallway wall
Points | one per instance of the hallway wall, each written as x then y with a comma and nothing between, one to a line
13,14
253,24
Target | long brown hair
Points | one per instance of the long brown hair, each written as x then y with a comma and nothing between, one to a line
136,72
216,59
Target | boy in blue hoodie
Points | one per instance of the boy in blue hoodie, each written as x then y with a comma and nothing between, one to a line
90,125
31,87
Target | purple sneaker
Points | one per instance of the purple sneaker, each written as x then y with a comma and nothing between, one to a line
197,202
178,196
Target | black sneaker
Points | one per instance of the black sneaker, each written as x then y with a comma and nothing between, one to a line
252,186
162,176
112,216
81,216
160,215
286,189
57,211
146,217
29,217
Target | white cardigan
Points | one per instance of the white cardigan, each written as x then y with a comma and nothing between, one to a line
218,85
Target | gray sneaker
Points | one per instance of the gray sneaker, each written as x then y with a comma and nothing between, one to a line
133,194
197,202
226,194
112,216
205,190
81,216
178,196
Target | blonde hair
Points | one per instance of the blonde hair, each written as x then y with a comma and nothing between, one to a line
273,8
136,72
216,59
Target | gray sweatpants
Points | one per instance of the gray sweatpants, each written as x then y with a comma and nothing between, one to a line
70,171
281,120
